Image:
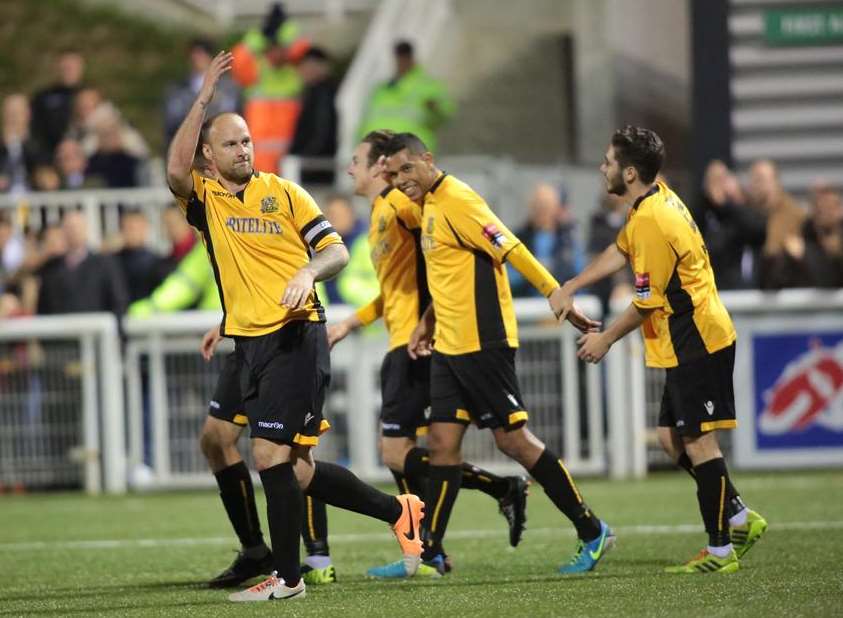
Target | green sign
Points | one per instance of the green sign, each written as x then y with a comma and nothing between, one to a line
796,26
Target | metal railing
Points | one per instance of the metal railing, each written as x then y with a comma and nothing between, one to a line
61,403
169,386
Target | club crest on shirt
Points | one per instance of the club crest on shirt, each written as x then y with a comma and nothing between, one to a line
494,235
642,286
269,205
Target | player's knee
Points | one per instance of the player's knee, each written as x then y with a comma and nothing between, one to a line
702,448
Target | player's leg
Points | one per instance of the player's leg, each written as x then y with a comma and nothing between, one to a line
339,487
595,537
318,567
698,400
489,379
405,395
218,442
284,507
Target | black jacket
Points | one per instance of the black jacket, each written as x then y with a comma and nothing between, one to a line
96,284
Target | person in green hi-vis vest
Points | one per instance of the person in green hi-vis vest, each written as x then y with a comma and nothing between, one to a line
412,101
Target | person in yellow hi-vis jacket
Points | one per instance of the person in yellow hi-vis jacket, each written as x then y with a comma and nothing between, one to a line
411,101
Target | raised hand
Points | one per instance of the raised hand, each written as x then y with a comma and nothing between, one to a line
219,66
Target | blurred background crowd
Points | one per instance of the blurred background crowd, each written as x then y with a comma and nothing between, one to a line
68,135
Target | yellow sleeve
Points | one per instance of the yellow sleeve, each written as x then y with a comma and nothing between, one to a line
653,261
476,226
622,242
316,231
533,271
370,312
407,210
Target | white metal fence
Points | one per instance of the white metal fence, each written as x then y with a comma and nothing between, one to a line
66,422
61,403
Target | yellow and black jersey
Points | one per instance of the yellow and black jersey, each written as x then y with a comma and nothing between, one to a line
673,277
394,241
257,240
465,246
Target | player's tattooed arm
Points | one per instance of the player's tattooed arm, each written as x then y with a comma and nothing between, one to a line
183,146
323,265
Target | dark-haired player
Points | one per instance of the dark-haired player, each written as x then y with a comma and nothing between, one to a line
472,374
686,330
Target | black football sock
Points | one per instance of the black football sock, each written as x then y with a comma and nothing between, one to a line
416,466
284,505
238,498
338,486
551,474
684,462
712,480
443,485
483,480
314,531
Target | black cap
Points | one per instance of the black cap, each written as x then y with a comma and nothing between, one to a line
403,48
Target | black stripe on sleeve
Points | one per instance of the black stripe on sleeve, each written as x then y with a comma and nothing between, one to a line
315,240
319,219
421,273
200,222
456,236
490,327
290,202
506,255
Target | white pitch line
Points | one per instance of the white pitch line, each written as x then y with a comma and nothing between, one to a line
383,537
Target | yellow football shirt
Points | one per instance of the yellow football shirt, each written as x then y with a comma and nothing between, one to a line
465,246
673,276
257,240
394,241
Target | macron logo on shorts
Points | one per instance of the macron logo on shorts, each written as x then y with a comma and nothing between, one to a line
391,426
307,418
215,404
272,425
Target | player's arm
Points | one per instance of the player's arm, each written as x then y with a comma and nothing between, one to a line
610,261
325,263
421,339
364,316
183,147
594,346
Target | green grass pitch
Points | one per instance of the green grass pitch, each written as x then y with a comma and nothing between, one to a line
70,555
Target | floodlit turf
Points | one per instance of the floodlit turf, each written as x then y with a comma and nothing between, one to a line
149,554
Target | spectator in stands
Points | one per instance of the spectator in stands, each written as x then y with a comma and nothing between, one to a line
823,235
92,113
52,107
111,164
45,177
264,65
316,130
182,237
141,268
550,234
411,101
180,95
71,164
785,217
81,280
191,285
19,152
606,222
11,249
734,230
357,283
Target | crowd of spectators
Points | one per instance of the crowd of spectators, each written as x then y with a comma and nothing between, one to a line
69,135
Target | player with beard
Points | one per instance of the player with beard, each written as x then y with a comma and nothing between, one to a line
269,243
687,331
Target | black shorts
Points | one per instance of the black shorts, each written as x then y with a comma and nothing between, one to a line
480,386
405,394
285,377
227,403
699,396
